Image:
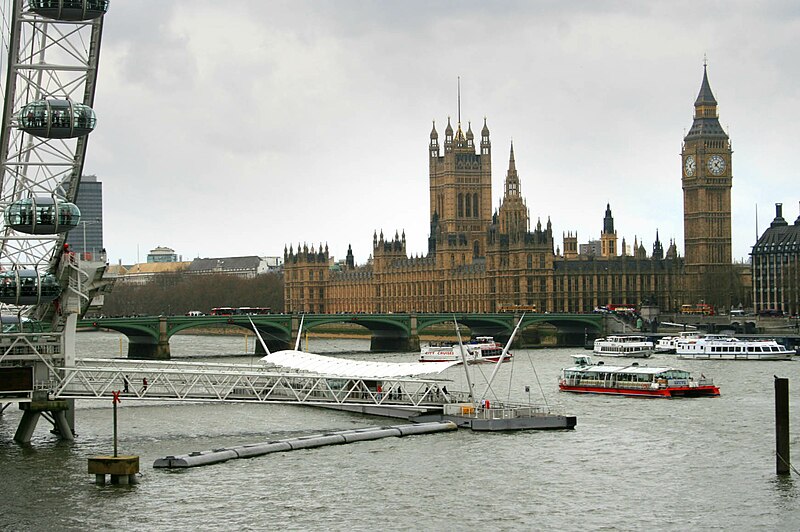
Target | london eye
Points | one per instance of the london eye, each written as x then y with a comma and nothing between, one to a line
50,53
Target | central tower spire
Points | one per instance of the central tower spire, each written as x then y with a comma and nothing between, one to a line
512,178
513,214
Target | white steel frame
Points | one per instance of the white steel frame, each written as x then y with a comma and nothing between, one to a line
44,59
217,382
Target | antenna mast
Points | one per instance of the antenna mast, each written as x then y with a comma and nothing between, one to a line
756,222
459,100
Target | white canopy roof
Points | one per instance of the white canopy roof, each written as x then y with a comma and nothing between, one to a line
360,369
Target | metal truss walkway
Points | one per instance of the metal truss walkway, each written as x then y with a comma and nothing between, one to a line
219,382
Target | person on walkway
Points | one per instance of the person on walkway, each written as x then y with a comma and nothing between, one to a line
144,384
124,384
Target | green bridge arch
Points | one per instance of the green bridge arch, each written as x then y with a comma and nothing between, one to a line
148,336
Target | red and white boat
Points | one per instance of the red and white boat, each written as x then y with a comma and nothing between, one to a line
633,380
481,349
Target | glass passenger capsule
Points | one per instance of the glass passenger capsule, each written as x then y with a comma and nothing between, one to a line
56,119
42,215
70,10
17,323
28,287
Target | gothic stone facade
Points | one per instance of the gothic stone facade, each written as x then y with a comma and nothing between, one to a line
776,267
479,261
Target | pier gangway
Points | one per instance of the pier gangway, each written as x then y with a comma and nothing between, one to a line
97,378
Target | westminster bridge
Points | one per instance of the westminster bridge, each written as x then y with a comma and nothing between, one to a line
148,336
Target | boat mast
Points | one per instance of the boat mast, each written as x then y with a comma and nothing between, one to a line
464,360
300,334
500,360
258,335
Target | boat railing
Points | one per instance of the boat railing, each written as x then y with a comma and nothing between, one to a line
599,383
496,410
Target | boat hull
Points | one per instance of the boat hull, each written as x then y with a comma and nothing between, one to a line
544,422
672,391
539,422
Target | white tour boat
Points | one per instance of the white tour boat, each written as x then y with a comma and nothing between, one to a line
481,349
667,344
629,346
720,347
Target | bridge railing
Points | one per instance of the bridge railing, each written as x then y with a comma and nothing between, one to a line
194,381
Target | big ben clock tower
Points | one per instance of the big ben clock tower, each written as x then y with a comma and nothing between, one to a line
707,179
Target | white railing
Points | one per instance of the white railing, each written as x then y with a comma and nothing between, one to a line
195,381
496,410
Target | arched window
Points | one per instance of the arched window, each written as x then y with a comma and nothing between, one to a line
469,206
475,205
460,205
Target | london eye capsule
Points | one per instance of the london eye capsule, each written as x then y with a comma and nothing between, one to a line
43,215
69,10
28,287
56,119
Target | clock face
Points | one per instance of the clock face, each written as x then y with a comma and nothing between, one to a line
716,165
689,166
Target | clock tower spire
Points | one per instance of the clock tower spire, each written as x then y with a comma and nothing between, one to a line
706,181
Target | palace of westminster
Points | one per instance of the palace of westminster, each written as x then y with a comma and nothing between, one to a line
479,261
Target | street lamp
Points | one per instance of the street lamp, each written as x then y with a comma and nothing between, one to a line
84,223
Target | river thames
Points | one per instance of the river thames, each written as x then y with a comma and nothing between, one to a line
631,463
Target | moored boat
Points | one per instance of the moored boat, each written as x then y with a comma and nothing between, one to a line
720,347
481,349
633,380
629,346
667,344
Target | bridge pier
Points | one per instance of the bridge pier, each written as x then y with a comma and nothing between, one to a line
393,341
571,338
146,348
33,411
499,333
149,348
273,344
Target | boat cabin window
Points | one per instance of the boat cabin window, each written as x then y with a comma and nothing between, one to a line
673,374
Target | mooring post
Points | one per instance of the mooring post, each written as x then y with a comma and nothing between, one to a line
121,469
116,399
783,462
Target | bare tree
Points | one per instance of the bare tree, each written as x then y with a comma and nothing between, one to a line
173,293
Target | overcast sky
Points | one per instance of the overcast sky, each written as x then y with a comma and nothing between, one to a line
235,128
